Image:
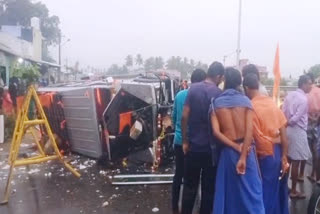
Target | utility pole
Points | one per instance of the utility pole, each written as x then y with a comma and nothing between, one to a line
59,72
239,35
60,47
224,60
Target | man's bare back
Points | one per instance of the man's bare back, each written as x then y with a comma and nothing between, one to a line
232,122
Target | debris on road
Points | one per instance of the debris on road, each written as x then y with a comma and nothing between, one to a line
103,172
142,179
105,204
48,174
156,209
6,167
33,171
82,167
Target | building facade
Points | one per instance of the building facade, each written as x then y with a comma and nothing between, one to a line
20,45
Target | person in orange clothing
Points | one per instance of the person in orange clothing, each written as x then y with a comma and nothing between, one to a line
269,132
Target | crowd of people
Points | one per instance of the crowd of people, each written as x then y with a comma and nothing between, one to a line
238,145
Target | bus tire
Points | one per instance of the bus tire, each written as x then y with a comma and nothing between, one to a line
314,200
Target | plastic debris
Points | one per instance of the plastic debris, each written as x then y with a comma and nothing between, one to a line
114,196
48,174
103,172
82,167
105,204
156,209
74,162
6,167
33,171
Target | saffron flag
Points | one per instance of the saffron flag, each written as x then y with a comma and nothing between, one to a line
277,75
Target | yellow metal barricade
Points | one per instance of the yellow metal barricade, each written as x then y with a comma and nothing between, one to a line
22,124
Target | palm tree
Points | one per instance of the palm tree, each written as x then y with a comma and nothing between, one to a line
159,63
139,60
185,60
129,61
192,62
171,63
114,69
149,64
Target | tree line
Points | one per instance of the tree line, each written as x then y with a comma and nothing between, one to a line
137,64
184,65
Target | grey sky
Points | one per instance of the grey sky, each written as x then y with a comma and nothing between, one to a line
103,32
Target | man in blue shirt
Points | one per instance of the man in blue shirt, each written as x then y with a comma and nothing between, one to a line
196,144
198,75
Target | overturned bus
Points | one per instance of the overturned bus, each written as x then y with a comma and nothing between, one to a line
75,114
137,121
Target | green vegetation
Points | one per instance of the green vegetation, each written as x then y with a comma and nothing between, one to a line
29,73
315,70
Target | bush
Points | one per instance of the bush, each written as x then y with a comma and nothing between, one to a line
28,73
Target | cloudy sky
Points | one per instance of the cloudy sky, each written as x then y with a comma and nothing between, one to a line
103,32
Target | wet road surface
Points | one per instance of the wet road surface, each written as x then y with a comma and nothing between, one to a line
49,188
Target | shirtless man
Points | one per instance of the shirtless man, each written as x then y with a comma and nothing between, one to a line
238,185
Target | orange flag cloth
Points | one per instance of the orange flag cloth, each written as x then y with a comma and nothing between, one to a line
277,75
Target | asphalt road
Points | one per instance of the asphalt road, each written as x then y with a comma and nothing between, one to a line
49,188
